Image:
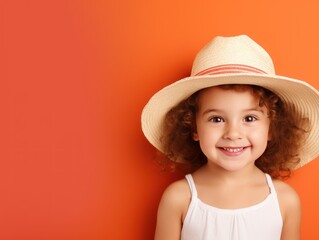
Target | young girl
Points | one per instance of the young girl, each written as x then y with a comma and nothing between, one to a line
241,128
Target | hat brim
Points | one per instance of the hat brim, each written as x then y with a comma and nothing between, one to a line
303,96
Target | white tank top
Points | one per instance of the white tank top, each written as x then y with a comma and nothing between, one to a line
262,221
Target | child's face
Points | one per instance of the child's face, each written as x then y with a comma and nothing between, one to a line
232,129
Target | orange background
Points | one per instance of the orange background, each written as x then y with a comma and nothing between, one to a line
74,77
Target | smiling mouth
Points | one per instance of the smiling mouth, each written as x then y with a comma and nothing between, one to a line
233,150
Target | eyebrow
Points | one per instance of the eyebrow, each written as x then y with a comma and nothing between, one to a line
254,109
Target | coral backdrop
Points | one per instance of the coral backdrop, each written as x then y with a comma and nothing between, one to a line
74,77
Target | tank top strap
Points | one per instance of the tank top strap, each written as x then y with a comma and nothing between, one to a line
191,184
193,190
270,184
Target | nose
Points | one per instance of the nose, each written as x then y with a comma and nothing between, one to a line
233,131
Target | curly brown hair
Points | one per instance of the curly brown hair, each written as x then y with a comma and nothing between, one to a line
287,130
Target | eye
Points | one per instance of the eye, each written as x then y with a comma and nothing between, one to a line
216,119
250,119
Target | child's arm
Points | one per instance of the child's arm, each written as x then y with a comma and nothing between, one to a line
171,211
291,211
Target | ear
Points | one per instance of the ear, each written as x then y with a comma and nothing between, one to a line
269,136
195,136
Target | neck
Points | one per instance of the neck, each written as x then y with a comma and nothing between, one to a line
216,173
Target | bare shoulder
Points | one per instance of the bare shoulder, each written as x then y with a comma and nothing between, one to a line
288,197
290,208
172,210
177,194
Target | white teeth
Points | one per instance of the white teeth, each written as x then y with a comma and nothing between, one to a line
233,150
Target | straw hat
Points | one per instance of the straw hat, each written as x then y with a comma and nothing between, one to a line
235,60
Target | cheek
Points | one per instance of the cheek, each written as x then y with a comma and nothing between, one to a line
260,136
207,142
208,136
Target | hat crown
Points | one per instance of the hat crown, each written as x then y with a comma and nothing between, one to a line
232,52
